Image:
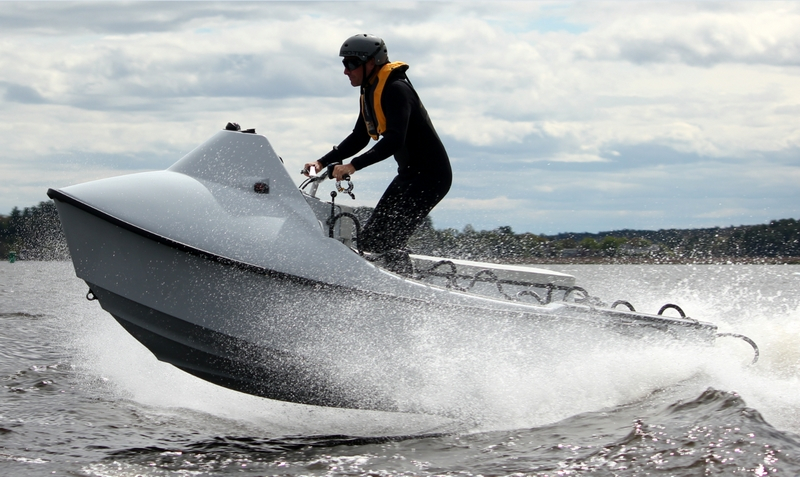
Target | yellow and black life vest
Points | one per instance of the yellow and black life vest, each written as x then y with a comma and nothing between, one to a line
375,119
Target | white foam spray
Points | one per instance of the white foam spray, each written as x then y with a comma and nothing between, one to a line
498,379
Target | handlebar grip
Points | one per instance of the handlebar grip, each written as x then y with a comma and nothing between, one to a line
330,169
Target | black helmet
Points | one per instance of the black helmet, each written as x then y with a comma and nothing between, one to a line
365,46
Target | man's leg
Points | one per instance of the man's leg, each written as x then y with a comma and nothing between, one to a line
402,208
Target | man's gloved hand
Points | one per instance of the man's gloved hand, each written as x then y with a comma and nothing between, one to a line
307,168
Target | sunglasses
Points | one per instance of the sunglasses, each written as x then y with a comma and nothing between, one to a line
352,63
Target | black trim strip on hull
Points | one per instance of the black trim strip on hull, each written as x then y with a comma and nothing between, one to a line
320,285
190,250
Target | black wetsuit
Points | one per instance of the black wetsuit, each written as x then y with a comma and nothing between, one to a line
423,173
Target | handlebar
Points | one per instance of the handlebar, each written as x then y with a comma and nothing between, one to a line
326,174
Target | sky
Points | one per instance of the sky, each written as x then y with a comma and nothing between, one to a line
558,116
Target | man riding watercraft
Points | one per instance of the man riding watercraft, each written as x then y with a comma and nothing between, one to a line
392,114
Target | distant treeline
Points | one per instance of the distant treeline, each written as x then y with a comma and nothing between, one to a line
778,241
34,233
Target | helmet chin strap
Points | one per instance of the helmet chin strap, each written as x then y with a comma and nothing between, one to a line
364,79
364,76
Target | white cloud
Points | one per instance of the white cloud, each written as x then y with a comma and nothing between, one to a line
568,157
695,34
478,129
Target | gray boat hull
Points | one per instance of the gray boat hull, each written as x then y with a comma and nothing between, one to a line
247,291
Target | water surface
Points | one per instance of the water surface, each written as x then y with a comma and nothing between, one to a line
80,397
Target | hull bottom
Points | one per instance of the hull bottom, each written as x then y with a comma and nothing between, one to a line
231,362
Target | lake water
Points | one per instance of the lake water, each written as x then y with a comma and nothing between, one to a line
80,397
